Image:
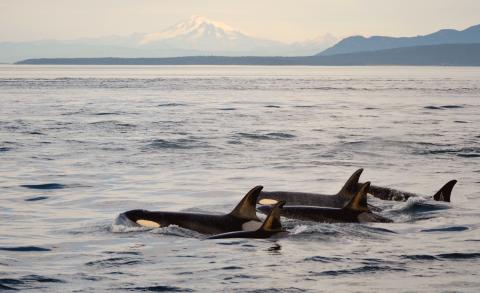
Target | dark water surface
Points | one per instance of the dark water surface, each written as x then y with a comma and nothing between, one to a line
79,145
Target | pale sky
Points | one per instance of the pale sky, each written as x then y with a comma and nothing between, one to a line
283,20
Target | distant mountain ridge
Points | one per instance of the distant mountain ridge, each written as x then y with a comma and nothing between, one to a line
433,55
197,36
363,44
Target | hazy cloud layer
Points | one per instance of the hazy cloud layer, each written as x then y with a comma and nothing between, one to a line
279,20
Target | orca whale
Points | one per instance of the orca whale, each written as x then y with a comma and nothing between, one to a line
385,193
242,218
271,226
355,211
338,200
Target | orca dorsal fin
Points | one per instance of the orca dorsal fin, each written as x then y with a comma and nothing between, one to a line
350,187
359,201
246,208
445,192
272,222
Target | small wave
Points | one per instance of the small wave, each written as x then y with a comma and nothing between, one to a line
323,259
228,109
41,279
280,135
37,198
419,257
419,205
181,143
459,255
443,256
433,108
241,276
272,106
107,113
468,155
229,268
5,287
452,106
299,229
26,282
443,107
112,124
465,152
115,262
276,289
5,149
174,230
447,229
359,270
25,248
44,186
231,242
123,252
268,136
171,105
158,288
10,281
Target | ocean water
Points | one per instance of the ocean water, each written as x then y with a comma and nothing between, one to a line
81,144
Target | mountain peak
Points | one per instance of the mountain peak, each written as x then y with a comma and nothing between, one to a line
194,28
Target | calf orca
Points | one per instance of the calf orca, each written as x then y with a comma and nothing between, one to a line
242,218
270,227
313,199
355,211
386,193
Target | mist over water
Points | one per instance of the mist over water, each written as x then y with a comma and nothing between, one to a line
81,144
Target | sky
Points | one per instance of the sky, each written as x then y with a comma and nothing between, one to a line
282,20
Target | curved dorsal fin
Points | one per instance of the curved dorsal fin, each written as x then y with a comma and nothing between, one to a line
272,222
245,209
351,186
359,201
444,193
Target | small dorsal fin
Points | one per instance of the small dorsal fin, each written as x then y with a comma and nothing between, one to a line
272,222
445,192
359,201
351,186
245,209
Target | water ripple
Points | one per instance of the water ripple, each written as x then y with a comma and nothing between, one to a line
158,288
359,270
45,186
181,143
25,248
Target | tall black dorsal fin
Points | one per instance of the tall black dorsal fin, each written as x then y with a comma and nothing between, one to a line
359,201
245,209
272,222
445,192
351,186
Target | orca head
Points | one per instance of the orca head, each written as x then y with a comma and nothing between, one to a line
141,217
135,215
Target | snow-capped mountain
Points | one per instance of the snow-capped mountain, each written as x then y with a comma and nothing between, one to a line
208,36
193,37
195,28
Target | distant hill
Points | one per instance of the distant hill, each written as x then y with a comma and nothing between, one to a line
444,55
353,44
